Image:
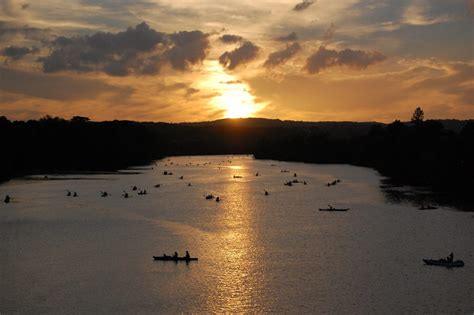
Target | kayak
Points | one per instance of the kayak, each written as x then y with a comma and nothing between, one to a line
171,258
444,263
333,209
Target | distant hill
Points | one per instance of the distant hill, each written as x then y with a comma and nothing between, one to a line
334,129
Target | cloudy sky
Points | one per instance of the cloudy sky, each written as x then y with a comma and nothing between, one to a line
194,60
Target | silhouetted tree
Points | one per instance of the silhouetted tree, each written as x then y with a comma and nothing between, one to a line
418,116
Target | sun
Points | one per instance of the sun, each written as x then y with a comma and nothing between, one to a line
233,96
237,102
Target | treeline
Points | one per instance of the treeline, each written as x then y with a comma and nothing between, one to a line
420,152
55,145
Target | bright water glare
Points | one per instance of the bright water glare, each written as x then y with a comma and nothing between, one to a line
257,252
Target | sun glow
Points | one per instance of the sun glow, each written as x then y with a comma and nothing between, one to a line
233,96
237,102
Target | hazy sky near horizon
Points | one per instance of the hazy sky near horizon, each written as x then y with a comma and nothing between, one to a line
193,60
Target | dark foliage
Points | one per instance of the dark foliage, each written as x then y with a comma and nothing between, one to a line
54,144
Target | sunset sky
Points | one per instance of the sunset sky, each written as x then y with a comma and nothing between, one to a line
195,60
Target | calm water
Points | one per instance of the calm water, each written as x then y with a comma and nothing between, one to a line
257,253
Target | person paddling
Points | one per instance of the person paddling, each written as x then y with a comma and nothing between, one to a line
7,199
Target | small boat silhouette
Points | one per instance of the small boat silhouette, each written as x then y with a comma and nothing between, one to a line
171,258
331,208
444,263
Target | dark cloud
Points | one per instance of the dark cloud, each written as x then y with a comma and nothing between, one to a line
287,38
139,50
9,30
282,56
185,87
326,58
189,48
230,39
329,33
303,5
244,54
121,68
15,52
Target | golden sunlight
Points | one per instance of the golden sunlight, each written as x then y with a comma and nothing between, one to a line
233,96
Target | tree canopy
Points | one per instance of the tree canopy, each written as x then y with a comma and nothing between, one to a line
418,116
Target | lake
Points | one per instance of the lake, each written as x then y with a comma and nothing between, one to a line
257,253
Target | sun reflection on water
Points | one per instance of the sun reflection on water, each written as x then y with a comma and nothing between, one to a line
239,281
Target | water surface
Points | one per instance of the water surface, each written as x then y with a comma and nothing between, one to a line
257,253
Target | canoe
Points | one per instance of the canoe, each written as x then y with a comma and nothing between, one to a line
171,258
444,263
333,209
